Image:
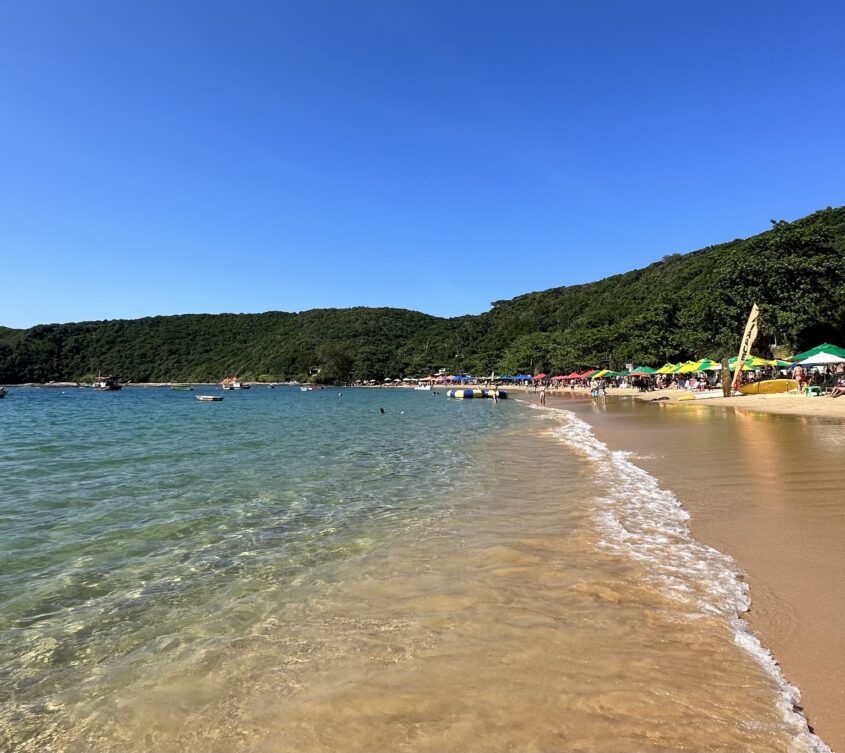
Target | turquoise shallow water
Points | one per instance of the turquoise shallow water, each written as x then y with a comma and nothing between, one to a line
297,571
143,524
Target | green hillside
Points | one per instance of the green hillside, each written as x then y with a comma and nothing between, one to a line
684,306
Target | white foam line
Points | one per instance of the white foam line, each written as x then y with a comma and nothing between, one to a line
648,524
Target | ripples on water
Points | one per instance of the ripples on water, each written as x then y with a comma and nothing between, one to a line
295,571
142,522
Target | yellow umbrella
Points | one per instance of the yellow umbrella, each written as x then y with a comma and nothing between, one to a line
666,368
688,368
600,374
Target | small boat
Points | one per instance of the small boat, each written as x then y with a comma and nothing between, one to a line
423,387
307,389
106,383
233,383
210,398
182,388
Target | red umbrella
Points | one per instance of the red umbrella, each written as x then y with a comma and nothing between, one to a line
540,376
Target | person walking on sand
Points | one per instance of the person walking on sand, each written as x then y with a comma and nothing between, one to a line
798,375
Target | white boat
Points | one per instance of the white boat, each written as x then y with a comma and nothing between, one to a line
423,387
307,389
233,383
210,398
106,383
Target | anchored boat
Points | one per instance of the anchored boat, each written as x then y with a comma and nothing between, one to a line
106,383
210,398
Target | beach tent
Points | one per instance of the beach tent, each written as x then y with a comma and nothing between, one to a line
834,350
573,375
600,374
647,370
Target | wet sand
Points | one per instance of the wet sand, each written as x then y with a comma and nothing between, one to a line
768,490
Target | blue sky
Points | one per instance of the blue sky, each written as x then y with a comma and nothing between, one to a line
175,157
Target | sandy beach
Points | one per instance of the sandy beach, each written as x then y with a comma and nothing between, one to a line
784,403
761,478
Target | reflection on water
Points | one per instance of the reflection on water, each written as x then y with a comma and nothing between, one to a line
767,489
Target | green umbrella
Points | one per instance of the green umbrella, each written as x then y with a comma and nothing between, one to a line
645,370
824,347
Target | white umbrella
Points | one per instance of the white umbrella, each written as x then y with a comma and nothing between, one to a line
821,359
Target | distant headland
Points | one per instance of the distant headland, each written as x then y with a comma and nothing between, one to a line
681,307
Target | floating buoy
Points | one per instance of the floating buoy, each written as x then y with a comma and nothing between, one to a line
476,392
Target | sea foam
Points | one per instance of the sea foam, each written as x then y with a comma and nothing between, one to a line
638,519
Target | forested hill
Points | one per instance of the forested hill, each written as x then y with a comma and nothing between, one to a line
685,306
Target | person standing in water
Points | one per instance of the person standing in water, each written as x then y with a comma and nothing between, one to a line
543,397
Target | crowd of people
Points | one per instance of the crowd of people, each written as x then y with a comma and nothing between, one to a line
828,380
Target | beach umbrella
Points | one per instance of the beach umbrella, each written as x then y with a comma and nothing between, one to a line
590,374
705,364
834,350
602,373
666,368
688,368
647,370
821,359
778,363
540,376
752,362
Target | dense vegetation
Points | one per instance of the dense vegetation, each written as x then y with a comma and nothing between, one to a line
685,306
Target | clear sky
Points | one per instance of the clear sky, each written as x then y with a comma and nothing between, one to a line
173,157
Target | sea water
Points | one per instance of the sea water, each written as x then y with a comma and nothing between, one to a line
295,570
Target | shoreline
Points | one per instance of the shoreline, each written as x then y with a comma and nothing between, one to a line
782,403
753,511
